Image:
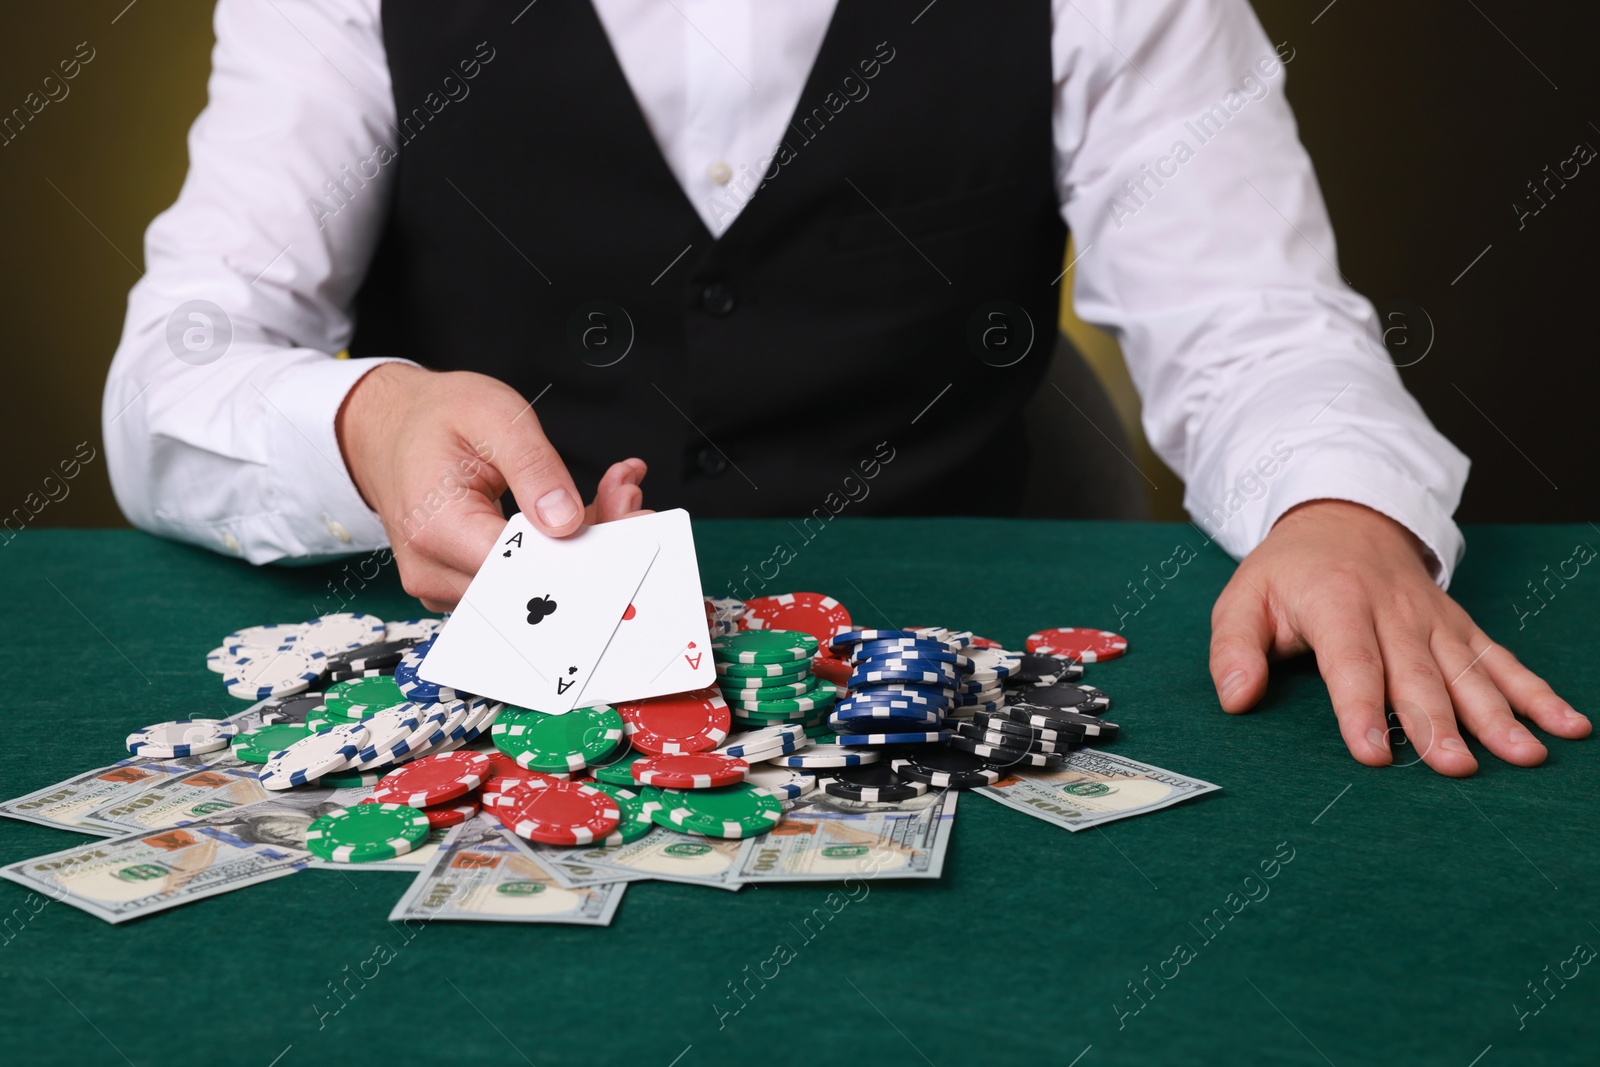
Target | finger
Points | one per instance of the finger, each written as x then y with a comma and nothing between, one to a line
439,588
1241,632
1421,701
1351,665
533,471
618,492
1481,707
1529,694
458,537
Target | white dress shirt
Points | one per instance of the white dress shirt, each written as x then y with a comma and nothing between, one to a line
1263,379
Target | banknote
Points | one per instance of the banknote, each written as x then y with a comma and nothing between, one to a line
1093,787
66,805
664,856
824,838
139,874
477,874
571,874
182,798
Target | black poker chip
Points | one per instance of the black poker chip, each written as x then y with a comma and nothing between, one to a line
1044,668
1080,697
873,782
1071,725
946,768
1011,758
377,656
371,672
974,732
999,721
290,709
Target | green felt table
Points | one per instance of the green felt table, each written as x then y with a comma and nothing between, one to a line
1406,928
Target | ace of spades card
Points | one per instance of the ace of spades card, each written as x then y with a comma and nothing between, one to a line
661,645
539,613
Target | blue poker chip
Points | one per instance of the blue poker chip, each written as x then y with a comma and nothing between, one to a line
917,661
927,696
413,687
914,677
888,725
822,757
774,740
851,638
924,737
866,711
901,646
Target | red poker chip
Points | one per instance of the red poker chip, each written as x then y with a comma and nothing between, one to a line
501,792
433,780
983,642
450,813
700,771
1084,645
813,613
831,669
562,813
677,724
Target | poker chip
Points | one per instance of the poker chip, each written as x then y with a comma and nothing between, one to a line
1083,645
619,772
822,757
387,729
380,656
700,771
417,630
1044,668
982,642
841,643
1083,697
340,632
412,685
258,745
313,756
946,768
772,691
733,811
1005,755
221,660
182,737
908,675
366,832
1068,725
764,646
502,790
539,741
813,613
445,815
909,738
1005,739
562,813
635,811
917,659
781,782
874,783
278,673
813,700
268,636
899,647
347,780
751,745
830,669
361,697
676,724
926,696
787,670
433,779
869,718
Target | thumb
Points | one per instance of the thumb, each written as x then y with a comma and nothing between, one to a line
1241,632
535,474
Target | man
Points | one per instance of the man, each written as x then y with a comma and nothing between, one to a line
765,246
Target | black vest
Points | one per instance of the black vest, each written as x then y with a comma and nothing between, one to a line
870,301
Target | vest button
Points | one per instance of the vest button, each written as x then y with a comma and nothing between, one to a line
710,462
717,299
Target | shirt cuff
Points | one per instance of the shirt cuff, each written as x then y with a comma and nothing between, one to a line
1368,478
316,503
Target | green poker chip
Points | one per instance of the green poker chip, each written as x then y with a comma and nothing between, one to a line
768,688
764,646
788,707
353,700
759,676
349,779
635,821
570,742
730,811
258,745
367,832
620,772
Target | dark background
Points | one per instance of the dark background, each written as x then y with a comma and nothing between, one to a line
1426,121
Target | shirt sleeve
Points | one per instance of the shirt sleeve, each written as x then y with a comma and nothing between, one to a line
219,407
1204,246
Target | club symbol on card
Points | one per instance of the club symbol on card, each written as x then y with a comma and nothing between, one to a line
539,609
692,656
514,541
563,684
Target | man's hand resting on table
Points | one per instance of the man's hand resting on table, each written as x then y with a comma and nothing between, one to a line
1351,585
432,453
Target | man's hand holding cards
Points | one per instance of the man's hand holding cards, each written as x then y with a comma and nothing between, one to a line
612,613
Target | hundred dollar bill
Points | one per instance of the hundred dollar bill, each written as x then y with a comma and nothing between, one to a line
138,874
824,838
183,798
570,874
66,805
478,874
662,855
1094,787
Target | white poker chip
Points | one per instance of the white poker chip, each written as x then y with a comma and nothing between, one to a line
341,632
411,629
272,635
274,674
384,731
311,757
752,745
432,719
781,782
182,737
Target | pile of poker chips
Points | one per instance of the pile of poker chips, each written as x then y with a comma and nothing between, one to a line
766,678
283,659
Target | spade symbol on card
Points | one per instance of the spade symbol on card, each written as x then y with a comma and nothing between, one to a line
539,609
692,656
563,684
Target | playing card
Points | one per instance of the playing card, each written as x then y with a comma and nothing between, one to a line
539,613
661,645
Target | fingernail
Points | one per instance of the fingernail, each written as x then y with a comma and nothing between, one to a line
1232,682
1378,739
1455,744
1572,713
556,508
1519,735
